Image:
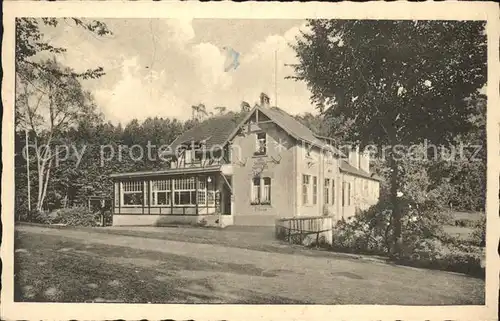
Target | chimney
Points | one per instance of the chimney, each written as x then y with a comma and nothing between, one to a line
264,100
354,157
364,161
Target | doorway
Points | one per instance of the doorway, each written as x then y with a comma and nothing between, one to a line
227,196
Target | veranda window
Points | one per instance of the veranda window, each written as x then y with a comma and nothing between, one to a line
132,193
161,192
210,192
202,193
184,191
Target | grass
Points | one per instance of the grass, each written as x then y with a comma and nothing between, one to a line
71,265
462,233
474,216
252,238
54,269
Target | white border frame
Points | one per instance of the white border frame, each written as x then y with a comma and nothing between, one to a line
448,10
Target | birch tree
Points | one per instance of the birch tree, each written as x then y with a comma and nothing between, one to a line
50,103
49,96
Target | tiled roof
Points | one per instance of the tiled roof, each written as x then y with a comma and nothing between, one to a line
217,130
213,131
295,128
348,168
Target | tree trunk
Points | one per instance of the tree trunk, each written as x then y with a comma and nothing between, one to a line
396,210
43,170
44,193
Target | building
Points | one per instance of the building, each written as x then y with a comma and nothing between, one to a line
266,167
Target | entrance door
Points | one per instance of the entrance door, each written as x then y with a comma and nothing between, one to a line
227,196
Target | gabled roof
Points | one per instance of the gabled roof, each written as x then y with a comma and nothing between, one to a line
292,126
220,130
213,132
348,168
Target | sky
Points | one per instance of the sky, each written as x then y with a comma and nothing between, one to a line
161,67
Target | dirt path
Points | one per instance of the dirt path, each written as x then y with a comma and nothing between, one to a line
309,279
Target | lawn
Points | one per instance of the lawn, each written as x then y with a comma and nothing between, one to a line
92,265
462,232
50,268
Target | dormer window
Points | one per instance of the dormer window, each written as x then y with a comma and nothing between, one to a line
261,144
188,156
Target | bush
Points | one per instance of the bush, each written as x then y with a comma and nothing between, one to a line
368,232
465,223
202,222
39,217
73,216
479,232
448,257
424,242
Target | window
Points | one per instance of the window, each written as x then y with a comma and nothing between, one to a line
256,190
261,190
315,190
132,193
210,191
344,194
348,194
188,156
329,157
117,194
201,198
326,191
305,189
261,146
333,191
161,192
266,195
184,191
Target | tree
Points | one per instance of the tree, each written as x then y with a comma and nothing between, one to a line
30,43
49,96
399,82
245,107
50,101
221,109
198,112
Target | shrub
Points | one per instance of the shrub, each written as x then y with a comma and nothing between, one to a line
442,256
39,217
202,222
465,223
367,232
424,242
74,216
479,232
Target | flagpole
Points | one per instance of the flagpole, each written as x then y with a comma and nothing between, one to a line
276,78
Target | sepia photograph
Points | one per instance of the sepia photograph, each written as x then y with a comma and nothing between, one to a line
250,161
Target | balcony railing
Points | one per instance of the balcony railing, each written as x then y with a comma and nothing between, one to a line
200,163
